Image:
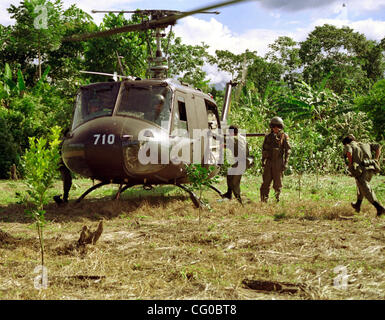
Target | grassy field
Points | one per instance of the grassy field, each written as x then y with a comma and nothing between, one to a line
153,246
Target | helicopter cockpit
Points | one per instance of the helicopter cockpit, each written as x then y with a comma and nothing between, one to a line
95,101
151,103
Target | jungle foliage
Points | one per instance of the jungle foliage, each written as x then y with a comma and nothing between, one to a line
328,85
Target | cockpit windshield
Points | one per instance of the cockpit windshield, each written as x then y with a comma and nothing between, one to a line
150,103
95,101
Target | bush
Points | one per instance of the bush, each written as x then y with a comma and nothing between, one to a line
8,149
374,106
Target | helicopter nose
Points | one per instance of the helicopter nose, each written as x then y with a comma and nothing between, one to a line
143,155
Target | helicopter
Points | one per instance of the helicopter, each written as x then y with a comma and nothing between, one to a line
142,131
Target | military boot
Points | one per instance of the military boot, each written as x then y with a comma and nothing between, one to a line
227,195
380,208
357,206
58,200
264,197
238,197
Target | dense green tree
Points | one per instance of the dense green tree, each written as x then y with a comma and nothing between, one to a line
235,64
374,105
186,62
68,59
262,73
9,153
284,53
37,31
347,56
101,53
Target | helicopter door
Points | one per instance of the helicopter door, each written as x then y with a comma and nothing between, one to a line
200,135
189,119
179,125
214,126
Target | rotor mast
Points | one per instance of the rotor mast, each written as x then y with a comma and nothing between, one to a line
158,67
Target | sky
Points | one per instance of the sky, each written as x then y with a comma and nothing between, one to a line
252,24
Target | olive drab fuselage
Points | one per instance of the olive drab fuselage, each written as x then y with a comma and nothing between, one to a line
103,143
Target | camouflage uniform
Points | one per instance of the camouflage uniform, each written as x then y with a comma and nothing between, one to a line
241,149
275,156
363,168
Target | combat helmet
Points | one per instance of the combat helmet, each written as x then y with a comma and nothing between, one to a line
276,121
352,137
157,99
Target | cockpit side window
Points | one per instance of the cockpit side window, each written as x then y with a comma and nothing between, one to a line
212,115
150,103
180,126
95,101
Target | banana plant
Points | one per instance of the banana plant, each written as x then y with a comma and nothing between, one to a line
9,87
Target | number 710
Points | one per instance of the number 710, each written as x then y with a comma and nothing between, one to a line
103,139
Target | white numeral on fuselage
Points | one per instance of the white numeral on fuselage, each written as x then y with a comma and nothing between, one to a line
110,139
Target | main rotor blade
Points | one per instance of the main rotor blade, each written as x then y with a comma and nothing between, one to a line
129,28
160,23
174,18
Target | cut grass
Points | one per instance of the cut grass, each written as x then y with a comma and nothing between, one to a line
154,248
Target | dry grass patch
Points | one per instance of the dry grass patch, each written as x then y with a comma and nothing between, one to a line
155,248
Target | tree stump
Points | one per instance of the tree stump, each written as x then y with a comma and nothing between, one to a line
89,237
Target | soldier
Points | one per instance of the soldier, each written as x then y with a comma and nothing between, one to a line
275,157
65,175
363,166
241,153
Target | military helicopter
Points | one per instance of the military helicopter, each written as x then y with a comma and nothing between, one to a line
135,131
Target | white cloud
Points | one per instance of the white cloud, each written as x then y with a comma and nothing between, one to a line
89,5
216,77
323,6
5,18
217,35
372,29
194,31
367,5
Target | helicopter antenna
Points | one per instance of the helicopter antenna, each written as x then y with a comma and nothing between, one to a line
168,43
114,75
119,62
243,78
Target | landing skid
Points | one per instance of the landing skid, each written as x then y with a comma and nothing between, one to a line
216,190
197,203
121,190
96,186
193,197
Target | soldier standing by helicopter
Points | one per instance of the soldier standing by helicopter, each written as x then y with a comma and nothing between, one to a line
275,157
65,175
241,153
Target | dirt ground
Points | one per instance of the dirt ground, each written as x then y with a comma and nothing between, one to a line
154,247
